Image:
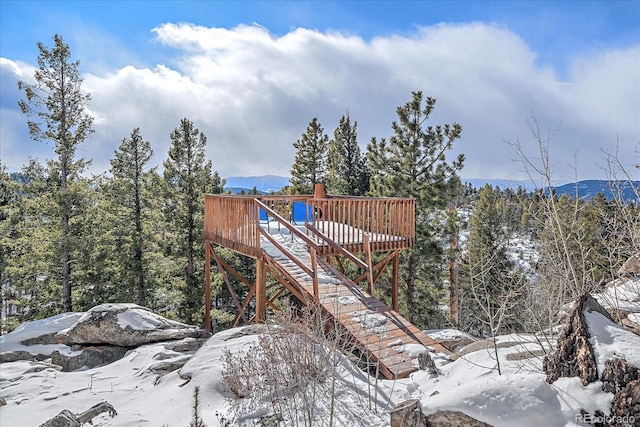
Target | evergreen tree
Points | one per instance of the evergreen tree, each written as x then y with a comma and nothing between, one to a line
491,285
130,181
188,176
8,195
347,168
30,236
57,103
310,164
413,164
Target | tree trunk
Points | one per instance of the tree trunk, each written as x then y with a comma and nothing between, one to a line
65,256
411,289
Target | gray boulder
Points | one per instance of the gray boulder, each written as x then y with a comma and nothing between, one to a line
125,325
89,357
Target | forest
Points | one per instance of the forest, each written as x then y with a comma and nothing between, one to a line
70,240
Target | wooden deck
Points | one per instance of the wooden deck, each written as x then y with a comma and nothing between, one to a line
289,236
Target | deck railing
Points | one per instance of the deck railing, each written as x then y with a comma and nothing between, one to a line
389,223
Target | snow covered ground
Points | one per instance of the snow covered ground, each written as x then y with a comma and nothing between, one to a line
143,395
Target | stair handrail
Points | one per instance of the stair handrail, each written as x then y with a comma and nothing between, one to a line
313,246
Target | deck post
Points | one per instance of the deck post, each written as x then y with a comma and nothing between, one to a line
394,282
261,291
366,241
314,268
207,286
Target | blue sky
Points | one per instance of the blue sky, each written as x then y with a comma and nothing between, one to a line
554,29
553,45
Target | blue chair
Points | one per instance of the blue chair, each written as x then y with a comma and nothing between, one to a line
301,213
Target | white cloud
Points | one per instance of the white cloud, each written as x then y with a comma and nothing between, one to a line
253,94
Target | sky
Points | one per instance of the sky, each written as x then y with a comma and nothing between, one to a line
252,75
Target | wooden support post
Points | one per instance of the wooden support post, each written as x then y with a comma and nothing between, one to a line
314,268
207,286
367,253
394,282
261,291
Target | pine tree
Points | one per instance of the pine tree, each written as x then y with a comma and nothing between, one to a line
32,236
57,103
310,164
188,176
347,168
491,285
130,180
413,164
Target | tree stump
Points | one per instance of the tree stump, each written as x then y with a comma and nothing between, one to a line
574,356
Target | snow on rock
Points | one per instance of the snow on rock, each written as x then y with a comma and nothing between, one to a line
125,325
451,338
610,340
36,337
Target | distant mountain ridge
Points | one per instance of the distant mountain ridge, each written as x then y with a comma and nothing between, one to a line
263,183
625,190
586,189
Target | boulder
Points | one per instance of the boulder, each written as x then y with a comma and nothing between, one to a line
409,414
13,356
631,267
575,356
453,419
89,357
617,375
626,405
125,325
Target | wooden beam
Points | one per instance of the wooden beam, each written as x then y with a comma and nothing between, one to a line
207,285
261,291
394,281
288,281
229,287
247,298
367,255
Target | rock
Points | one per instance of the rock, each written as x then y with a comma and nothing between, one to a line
125,325
12,356
164,366
426,363
187,345
408,414
631,326
89,357
631,267
574,356
453,419
68,419
49,338
626,406
617,375
527,354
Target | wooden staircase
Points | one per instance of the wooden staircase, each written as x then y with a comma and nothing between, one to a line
387,340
